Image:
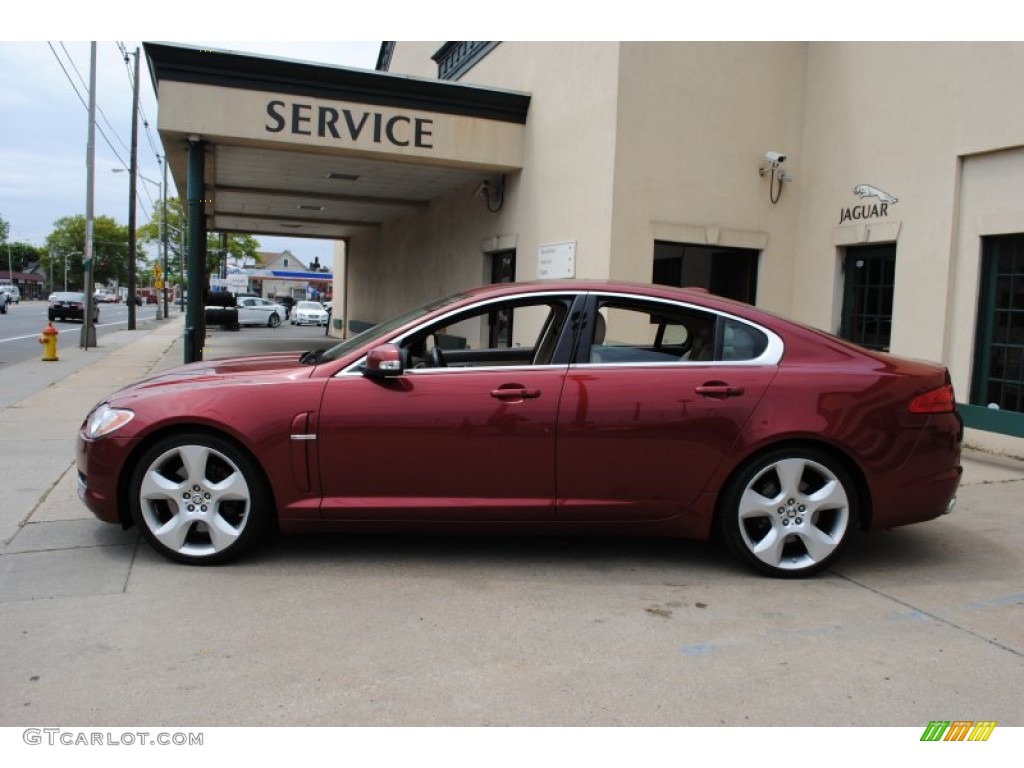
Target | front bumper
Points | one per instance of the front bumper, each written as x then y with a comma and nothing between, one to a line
99,464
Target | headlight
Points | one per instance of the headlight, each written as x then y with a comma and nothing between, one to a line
105,420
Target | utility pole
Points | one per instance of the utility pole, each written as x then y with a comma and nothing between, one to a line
163,236
131,195
88,336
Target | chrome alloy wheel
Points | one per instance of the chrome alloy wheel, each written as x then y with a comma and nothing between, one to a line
791,513
194,499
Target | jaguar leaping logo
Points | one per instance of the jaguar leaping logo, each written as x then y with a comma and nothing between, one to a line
866,190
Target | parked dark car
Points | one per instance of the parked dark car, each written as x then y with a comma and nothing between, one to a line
555,407
70,305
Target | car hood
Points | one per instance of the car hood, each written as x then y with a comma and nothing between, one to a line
249,369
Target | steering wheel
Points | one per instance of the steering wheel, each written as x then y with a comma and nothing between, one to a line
437,358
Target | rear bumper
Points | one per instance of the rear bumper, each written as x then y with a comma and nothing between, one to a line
917,501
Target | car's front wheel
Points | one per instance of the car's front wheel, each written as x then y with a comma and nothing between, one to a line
274,321
790,512
198,499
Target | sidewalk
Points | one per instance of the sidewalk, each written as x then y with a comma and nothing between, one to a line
45,403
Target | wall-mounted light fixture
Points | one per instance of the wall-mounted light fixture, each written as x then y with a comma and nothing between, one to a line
772,161
492,193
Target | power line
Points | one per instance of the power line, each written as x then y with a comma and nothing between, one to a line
82,99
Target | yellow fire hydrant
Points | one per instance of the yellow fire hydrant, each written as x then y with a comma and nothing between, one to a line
49,341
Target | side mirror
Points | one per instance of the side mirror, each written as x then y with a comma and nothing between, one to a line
383,362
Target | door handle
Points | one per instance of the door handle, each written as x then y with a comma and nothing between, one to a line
515,393
718,391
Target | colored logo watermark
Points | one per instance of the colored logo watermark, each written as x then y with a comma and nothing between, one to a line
958,730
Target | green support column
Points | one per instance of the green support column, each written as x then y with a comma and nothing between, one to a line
195,320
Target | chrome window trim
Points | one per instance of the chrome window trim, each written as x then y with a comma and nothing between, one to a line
498,299
772,354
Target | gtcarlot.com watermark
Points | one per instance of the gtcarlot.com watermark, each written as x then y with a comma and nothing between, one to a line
71,738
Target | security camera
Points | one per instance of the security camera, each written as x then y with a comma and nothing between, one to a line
774,157
483,189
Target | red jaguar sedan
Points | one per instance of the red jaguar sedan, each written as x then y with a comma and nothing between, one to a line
555,407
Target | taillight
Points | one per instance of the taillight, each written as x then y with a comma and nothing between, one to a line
939,400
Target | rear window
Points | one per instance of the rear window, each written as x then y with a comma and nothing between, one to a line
741,341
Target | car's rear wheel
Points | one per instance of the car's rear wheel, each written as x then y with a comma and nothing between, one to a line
274,321
198,499
790,512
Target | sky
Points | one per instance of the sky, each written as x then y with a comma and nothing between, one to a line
44,131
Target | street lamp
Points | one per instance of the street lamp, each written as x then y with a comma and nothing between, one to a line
66,257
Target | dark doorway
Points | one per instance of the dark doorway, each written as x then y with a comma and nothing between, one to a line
868,289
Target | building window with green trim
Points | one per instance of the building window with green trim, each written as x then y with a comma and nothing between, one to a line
998,381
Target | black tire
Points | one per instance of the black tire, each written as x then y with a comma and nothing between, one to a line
181,500
274,321
790,512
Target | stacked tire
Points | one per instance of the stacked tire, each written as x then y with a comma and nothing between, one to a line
221,310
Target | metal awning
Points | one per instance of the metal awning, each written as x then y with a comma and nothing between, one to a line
296,149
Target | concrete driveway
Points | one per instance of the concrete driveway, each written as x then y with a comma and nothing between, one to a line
913,625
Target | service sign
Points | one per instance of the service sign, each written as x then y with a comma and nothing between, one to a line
259,118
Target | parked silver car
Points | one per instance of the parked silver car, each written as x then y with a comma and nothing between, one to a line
309,313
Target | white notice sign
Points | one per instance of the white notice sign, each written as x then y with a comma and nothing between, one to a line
238,283
556,261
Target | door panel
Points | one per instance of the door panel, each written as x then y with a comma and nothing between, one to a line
638,443
442,444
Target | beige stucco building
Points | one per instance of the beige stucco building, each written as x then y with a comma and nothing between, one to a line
896,217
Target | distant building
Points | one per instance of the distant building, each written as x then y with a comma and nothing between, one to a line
278,275
30,283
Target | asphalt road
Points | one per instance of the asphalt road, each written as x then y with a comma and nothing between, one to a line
21,326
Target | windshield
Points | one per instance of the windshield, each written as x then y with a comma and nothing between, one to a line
382,330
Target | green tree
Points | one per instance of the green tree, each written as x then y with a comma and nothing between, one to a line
20,255
110,250
5,230
240,247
